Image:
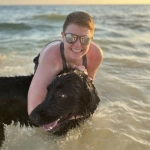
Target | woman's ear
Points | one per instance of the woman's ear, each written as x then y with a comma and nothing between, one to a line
62,33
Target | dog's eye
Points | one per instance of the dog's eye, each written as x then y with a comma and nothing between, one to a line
61,95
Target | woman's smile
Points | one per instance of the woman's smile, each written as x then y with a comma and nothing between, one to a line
76,50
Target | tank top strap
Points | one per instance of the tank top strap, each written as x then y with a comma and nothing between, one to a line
84,61
62,56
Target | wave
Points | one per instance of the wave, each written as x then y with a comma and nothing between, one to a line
52,17
14,26
141,15
8,28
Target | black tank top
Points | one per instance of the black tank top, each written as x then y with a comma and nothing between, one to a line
36,59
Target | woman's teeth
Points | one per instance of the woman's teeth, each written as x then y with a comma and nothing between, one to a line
76,50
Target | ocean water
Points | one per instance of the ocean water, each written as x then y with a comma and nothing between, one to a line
122,120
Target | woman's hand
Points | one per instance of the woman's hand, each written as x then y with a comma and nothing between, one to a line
82,68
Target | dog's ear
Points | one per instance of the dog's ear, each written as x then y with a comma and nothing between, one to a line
92,94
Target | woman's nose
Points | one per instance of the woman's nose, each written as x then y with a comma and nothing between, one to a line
77,43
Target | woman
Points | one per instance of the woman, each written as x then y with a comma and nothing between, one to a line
75,50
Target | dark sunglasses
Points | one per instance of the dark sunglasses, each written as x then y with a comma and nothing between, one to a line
72,38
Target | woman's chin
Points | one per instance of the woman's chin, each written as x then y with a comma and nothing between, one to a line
76,55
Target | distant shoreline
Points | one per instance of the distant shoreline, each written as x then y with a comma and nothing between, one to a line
123,4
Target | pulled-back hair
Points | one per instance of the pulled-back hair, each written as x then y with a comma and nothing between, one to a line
80,18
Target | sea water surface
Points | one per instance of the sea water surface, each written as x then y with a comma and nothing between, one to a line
122,120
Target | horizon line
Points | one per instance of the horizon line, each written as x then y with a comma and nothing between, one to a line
80,4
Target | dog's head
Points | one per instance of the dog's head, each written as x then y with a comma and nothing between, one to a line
71,95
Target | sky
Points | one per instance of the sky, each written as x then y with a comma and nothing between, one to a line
9,2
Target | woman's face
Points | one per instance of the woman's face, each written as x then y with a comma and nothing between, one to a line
75,51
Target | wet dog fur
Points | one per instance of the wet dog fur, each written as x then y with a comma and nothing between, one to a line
71,98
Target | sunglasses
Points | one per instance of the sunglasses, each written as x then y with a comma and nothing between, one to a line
72,38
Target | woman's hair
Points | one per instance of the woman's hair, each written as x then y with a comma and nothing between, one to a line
80,18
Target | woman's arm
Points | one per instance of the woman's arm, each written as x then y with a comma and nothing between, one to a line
48,68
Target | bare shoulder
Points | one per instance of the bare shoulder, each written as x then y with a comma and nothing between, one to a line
50,62
51,52
94,59
95,53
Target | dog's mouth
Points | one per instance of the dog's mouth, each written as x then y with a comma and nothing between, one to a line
51,127
54,126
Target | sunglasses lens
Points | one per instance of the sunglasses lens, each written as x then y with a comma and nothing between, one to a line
70,38
84,40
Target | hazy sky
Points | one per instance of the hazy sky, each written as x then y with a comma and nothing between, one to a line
74,2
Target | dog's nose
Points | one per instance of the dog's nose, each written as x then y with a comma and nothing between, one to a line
34,118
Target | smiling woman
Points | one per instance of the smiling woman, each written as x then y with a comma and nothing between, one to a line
75,50
122,81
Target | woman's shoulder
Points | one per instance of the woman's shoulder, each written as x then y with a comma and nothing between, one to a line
52,46
95,51
51,49
51,53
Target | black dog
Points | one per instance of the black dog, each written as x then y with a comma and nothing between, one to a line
71,98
